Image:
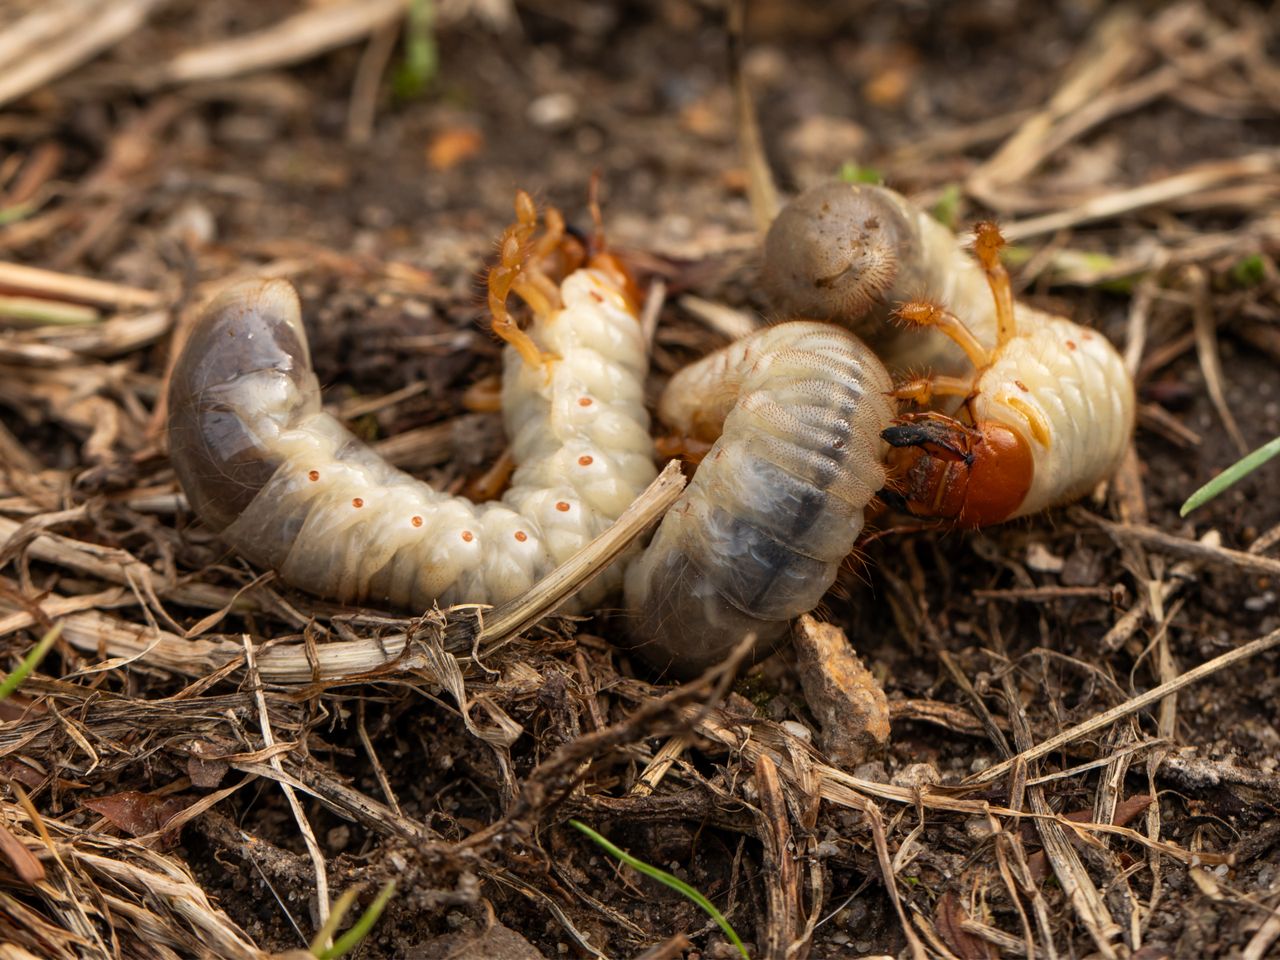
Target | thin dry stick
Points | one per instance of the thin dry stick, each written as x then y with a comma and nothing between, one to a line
1147,195
1140,702
1257,947
269,740
77,41
364,91
1207,351
51,284
292,40
1180,546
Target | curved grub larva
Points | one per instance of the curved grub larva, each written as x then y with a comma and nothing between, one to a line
849,253
776,504
291,489
1047,414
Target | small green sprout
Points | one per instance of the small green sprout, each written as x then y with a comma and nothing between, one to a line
947,210
853,173
30,662
359,930
421,55
675,883
1230,476
1249,272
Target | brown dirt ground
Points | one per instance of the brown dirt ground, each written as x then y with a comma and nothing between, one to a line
177,187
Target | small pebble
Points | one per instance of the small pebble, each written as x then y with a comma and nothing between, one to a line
553,111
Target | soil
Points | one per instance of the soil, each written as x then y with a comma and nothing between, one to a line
387,241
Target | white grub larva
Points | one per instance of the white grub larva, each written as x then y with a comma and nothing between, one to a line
849,253
777,502
1046,415
291,489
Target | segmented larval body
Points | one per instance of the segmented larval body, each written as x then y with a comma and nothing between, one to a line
291,489
849,253
776,504
1066,391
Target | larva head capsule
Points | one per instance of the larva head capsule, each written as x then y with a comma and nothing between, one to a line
244,371
834,251
946,470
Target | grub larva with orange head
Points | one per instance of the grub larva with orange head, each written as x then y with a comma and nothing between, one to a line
1046,414
291,489
795,412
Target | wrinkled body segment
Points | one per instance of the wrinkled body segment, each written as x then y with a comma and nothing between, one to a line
291,489
1021,410
776,504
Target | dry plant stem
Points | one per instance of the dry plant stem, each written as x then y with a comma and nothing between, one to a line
268,739
1200,550
1131,706
292,40
364,91
761,190
1260,943
1207,352
1100,63
52,285
79,36
1076,882
352,660
729,323
1152,194
783,900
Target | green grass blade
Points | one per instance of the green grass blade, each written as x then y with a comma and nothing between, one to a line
360,929
1232,475
421,56
30,661
675,883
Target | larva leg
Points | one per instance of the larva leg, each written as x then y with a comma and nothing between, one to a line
1049,414
922,313
922,390
517,272
777,502
286,485
987,244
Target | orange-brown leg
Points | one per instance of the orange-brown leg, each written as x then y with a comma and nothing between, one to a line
490,484
510,275
921,390
484,396
987,243
673,445
922,313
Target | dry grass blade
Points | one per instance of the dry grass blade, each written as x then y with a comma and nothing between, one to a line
66,38
1177,186
52,285
356,660
300,37
304,825
1131,706
1207,350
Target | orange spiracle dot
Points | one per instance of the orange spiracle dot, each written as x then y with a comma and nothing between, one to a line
584,401
467,536
586,460
1071,344
313,476
357,502
521,536
416,521
562,506
1022,386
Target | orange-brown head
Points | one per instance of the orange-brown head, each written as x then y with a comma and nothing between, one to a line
943,469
